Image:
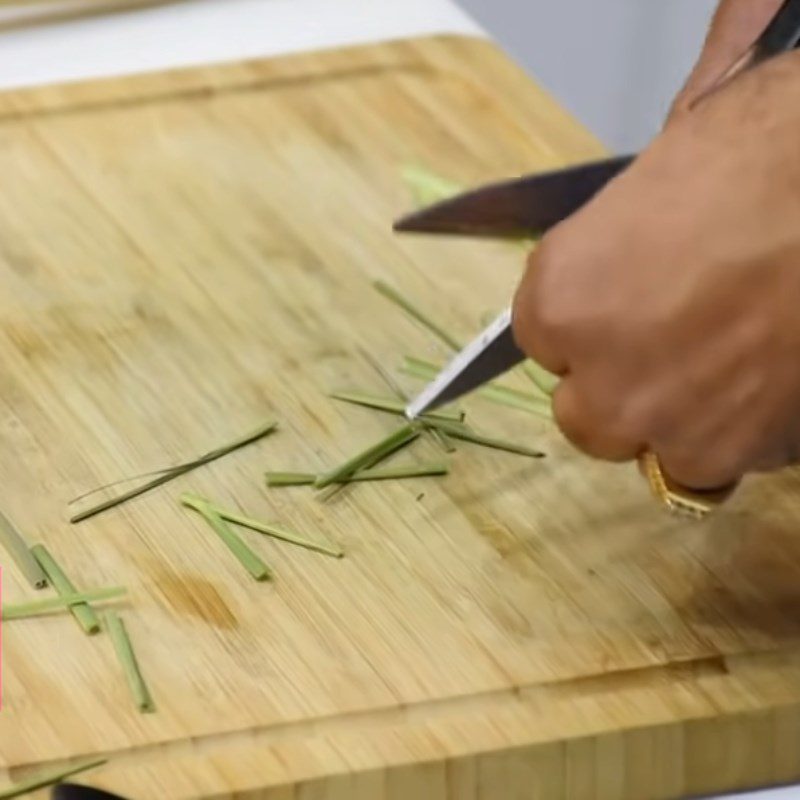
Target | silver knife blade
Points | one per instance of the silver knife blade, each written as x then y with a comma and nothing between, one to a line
517,208
489,355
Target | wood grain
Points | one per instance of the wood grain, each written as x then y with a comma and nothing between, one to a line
183,256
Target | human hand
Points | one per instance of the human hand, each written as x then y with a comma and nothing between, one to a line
670,303
736,25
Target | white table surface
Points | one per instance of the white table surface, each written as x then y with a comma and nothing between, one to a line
206,31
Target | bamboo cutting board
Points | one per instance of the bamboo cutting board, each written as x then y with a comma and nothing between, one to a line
183,256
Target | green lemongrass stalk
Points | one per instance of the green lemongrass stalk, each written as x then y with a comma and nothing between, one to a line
371,456
392,406
493,392
543,380
19,550
441,439
38,607
175,472
48,778
128,662
247,558
427,187
415,313
83,612
466,434
281,479
278,533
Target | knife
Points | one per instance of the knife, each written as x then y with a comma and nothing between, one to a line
530,206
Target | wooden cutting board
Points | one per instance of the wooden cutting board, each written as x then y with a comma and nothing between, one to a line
183,256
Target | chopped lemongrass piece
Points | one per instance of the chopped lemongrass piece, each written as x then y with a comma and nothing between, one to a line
494,392
247,558
279,533
543,380
130,665
371,456
20,552
48,778
279,479
428,188
468,435
38,607
175,472
423,319
394,406
82,612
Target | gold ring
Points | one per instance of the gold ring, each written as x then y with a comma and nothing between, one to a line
679,499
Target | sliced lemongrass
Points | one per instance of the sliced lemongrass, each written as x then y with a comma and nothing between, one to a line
393,406
280,479
175,472
371,456
36,608
277,532
19,550
129,663
493,392
427,187
543,380
468,435
252,562
47,778
415,313
83,612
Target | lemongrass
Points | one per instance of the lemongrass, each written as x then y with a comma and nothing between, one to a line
175,472
468,435
392,406
20,552
281,479
36,608
83,612
246,557
129,663
48,778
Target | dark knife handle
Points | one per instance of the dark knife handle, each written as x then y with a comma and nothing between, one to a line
781,35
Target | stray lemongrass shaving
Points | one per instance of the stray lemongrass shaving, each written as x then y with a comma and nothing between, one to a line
371,456
20,552
83,612
129,663
48,778
415,313
177,471
246,557
466,434
36,608
278,533
281,479
543,380
392,406
427,187
493,392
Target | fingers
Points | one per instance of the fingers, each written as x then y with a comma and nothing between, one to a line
591,431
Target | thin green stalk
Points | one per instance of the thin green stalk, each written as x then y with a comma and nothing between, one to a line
279,533
493,392
371,456
427,187
280,479
130,665
423,319
247,558
48,778
83,612
392,406
19,550
38,607
543,380
468,435
176,472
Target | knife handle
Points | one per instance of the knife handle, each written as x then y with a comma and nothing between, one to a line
781,35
